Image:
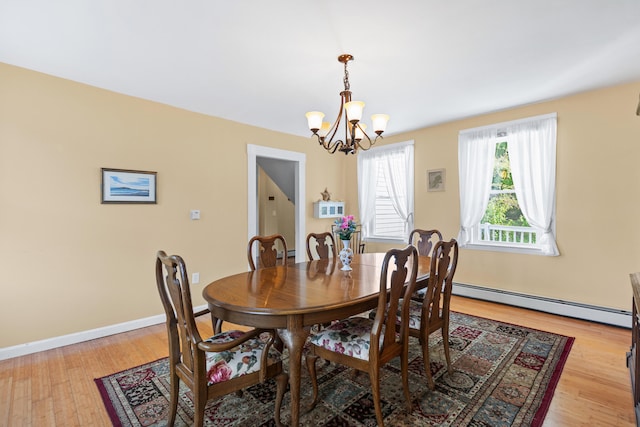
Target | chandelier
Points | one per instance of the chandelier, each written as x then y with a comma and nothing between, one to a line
355,136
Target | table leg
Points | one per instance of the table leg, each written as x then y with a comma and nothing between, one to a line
294,337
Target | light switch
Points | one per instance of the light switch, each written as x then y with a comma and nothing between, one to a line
195,214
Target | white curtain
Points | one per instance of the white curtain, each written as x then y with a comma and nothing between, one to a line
476,153
367,175
396,163
532,155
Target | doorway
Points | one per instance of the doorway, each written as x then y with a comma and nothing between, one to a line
255,153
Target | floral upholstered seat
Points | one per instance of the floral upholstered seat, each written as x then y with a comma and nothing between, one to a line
350,336
240,360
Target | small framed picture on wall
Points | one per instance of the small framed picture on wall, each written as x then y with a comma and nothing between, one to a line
128,186
436,179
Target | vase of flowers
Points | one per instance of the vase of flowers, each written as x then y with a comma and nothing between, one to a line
345,227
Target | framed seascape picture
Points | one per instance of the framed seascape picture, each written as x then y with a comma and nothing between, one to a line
128,186
435,179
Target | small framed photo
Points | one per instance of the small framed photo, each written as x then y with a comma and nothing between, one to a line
128,186
435,179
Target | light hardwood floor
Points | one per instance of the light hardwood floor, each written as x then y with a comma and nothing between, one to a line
56,387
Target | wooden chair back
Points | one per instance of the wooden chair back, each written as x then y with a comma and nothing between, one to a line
321,246
397,283
435,306
424,240
434,313
267,251
188,351
173,287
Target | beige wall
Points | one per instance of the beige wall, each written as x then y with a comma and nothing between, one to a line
71,264
598,183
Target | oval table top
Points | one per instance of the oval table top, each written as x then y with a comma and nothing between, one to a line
302,288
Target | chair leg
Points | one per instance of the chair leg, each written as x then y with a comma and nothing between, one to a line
173,405
445,341
200,401
427,361
375,390
404,367
281,382
311,367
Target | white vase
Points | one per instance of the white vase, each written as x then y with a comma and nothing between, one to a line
346,254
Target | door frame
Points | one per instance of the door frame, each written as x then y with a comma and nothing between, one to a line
255,151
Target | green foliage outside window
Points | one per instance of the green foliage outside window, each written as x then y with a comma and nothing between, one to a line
503,207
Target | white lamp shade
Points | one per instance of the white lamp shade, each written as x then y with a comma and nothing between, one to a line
379,122
324,129
360,129
354,110
314,118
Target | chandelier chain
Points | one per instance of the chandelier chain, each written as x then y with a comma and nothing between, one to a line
347,86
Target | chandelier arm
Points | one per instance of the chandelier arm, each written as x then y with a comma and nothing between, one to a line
331,146
371,142
336,125
333,130
366,135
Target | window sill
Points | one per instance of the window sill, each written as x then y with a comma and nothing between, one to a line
497,248
384,240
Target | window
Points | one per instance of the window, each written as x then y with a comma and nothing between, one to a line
385,192
507,186
503,222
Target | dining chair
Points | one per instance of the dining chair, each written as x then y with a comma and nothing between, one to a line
367,344
267,255
424,241
357,245
432,313
227,362
321,246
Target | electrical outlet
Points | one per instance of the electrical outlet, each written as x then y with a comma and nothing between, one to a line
195,278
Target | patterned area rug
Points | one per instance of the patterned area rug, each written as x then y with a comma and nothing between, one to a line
504,375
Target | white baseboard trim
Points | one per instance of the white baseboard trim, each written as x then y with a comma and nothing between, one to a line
592,313
49,343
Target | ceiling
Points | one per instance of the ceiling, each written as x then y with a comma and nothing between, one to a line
266,63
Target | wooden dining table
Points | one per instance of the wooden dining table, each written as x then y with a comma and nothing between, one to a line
293,298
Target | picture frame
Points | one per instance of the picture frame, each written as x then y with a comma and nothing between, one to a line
436,179
128,186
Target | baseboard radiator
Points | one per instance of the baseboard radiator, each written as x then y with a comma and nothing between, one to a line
563,308
576,310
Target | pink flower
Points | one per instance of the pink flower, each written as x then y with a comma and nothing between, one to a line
345,225
219,372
